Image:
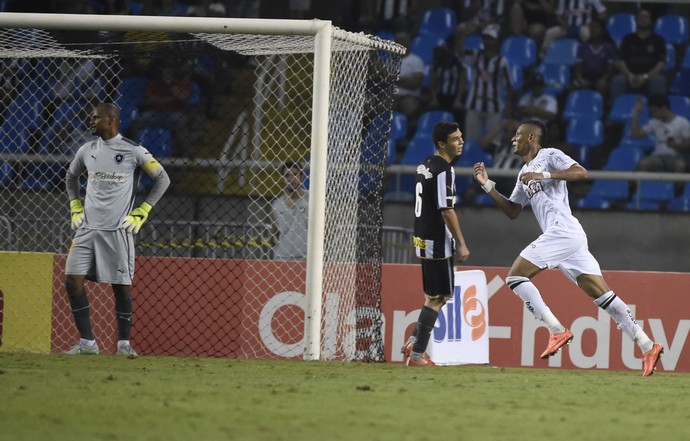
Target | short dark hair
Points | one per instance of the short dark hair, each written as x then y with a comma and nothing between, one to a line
289,165
442,131
542,127
659,100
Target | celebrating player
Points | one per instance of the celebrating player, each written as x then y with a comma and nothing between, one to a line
103,246
563,242
436,234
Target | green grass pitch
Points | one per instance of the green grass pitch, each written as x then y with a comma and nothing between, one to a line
104,397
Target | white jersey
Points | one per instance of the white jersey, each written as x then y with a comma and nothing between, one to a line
548,197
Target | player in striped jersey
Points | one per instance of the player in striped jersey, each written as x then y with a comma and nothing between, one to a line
562,244
437,233
103,245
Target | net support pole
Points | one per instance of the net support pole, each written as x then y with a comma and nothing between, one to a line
317,193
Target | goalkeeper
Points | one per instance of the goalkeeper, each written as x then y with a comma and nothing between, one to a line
103,245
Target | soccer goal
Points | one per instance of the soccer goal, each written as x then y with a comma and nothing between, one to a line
224,104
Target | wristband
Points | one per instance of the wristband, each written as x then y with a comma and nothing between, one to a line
547,175
488,186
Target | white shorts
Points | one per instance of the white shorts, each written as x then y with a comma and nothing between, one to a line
570,254
102,256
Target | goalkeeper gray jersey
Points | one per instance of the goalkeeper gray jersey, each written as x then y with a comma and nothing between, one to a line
113,168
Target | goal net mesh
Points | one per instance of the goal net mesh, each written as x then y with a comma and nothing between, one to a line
224,114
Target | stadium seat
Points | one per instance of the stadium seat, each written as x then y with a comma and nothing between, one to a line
130,92
556,76
156,140
611,190
473,43
517,77
41,176
484,200
472,153
6,174
681,82
670,57
439,21
624,158
398,127
642,205
674,29
584,103
25,112
645,143
584,134
13,139
520,50
680,105
428,119
655,191
423,45
417,149
619,25
595,202
681,203
562,51
622,108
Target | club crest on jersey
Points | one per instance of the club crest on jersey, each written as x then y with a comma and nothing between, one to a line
119,158
423,170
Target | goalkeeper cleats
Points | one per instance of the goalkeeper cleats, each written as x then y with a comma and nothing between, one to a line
556,342
126,349
76,210
650,359
82,347
133,222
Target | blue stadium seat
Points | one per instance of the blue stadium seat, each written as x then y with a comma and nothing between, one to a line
484,200
6,174
681,81
584,134
622,108
439,21
556,76
156,140
680,105
645,143
131,92
611,190
619,25
584,103
520,50
517,77
670,57
41,176
595,202
428,119
624,158
655,191
562,51
674,29
398,127
473,43
642,205
681,203
13,139
423,45
417,150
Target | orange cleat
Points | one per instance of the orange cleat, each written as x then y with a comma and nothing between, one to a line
556,342
425,361
650,359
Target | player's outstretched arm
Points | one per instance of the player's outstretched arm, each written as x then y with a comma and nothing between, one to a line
511,209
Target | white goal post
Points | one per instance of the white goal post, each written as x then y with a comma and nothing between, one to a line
343,187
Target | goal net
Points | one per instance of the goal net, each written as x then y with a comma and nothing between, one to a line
260,124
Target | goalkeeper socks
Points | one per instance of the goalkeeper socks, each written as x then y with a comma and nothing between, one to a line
123,313
525,289
621,314
425,324
80,311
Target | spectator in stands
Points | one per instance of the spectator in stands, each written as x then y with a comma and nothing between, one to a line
489,97
243,8
572,20
290,215
596,60
475,15
447,72
166,103
642,61
408,97
536,104
671,133
13,75
530,17
206,8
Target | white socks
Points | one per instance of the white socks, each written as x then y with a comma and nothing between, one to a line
621,314
529,294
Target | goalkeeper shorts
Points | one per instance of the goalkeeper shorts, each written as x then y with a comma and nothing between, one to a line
102,256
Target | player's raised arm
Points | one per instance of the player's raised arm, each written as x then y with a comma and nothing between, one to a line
511,209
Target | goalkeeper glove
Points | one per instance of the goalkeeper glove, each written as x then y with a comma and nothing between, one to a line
136,218
76,211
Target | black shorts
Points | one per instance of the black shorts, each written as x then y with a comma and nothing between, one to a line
438,277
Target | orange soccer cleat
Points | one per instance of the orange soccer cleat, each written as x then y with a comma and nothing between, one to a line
650,359
556,342
406,350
